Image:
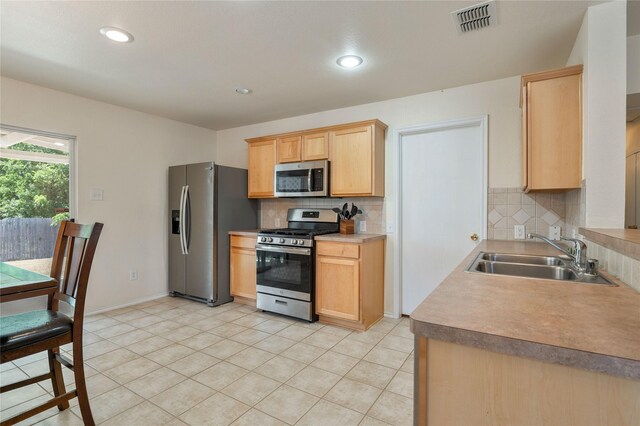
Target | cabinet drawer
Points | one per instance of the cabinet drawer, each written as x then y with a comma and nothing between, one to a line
244,242
338,250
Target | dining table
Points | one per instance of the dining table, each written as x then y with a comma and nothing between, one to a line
19,283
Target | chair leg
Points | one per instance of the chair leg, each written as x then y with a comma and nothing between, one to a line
57,381
81,386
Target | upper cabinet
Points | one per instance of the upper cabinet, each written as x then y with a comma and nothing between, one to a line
355,150
357,160
289,149
315,146
551,104
262,159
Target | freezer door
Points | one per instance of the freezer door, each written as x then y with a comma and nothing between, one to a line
199,229
175,218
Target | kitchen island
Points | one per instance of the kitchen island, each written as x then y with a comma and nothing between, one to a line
494,349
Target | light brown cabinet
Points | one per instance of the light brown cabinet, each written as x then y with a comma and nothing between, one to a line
315,146
289,149
350,283
355,150
243,267
357,160
551,104
262,159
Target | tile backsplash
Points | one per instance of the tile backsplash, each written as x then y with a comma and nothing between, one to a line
508,207
273,212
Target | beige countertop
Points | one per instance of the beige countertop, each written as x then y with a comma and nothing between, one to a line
625,241
593,327
245,232
350,238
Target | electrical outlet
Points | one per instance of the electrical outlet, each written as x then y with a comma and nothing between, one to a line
133,275
277,222
96,194
362,226
519,232
554,232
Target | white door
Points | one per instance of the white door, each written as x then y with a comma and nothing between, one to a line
443,189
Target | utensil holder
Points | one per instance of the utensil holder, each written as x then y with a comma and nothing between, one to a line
347,226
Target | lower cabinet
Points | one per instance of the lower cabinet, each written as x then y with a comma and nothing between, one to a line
243,267
350,283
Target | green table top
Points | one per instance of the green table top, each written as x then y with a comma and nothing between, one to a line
12,276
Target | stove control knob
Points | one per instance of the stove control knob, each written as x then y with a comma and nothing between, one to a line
294,242
300,242
281,240
269,239
263,239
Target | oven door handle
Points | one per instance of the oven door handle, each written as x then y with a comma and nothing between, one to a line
290,250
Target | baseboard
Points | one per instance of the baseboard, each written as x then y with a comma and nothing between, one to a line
124,305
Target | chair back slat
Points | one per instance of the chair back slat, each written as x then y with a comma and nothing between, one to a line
73,269
71,264
65,298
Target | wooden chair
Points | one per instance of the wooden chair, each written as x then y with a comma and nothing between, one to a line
46,330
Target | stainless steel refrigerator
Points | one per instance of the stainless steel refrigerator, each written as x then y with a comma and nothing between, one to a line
206,201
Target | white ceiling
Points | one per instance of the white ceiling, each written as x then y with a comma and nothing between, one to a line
188,57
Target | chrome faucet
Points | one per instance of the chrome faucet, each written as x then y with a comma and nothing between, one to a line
579,254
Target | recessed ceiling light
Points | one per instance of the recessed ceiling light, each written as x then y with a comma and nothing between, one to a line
349,61
243,90
116,34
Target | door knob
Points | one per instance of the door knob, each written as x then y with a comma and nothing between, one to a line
474,237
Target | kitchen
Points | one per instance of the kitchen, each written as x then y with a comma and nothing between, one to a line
123,138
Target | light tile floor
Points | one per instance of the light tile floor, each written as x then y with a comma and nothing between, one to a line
173,361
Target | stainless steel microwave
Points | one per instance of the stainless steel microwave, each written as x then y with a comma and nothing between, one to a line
305,179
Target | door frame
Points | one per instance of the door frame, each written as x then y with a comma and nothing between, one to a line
73,202
483,123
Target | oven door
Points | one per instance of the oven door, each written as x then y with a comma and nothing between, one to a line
284,271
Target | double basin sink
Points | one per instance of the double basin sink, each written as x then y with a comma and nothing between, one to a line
533,266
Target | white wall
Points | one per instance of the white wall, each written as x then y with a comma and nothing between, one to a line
601,46
633,64
126,153
499,99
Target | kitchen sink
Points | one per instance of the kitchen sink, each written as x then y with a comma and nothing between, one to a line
532,266
525,258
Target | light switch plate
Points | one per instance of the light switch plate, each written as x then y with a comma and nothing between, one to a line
519,232
362,226
389,227
96,194
554,232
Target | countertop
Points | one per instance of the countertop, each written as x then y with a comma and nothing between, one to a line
625,241
594,327
350,238
245,232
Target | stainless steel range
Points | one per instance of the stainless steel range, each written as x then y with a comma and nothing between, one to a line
286,263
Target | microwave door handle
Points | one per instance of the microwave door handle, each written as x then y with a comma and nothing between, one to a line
310,180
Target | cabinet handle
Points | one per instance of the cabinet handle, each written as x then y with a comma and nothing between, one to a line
474,237
282,302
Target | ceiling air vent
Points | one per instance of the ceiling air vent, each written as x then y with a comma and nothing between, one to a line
475,17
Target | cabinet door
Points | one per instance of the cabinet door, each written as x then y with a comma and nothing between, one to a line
338,287
351,162
289,149
315,146
262,159
525,145
554,133
243,272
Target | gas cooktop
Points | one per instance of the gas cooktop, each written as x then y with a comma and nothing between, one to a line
296,232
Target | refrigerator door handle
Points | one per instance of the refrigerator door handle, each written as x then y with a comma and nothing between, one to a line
182,219
187,226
